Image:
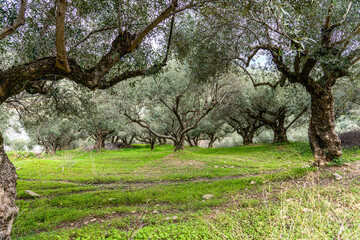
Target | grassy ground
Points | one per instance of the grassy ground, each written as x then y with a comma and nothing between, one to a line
258,192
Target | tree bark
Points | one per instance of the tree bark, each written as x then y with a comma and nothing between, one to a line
100,140
247,139
190,142
162,141
8,209
324,141
152,145
280,135
193,142
114,139
212,141
179,145
52,150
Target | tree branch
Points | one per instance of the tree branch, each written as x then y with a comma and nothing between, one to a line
343,19
61,59
94,32
170,37
328,15
141,35
19,21
144,125
296,118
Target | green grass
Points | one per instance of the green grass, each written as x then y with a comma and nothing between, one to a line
121,189
143,165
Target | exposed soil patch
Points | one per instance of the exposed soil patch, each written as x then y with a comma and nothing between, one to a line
172,160
181,163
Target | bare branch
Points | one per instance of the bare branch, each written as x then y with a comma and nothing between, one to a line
255,84
347,39
355,60
268,27
19,21
130,74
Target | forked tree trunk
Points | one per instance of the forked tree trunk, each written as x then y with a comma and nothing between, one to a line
190,142
324,141
212,141
8,209
194,142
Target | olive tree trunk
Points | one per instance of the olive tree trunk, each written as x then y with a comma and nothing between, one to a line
8,209
99,142
152,145
280,134
162,141
247,138
100,138
179,145
324,141
212,140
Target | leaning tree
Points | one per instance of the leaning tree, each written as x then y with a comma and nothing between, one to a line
93,43
311,43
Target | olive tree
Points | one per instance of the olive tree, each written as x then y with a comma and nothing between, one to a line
247,109
55,44
173,99
310,43
52,120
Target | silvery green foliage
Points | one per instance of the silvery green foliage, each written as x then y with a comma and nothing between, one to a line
52,120
5,115
244,101
155,99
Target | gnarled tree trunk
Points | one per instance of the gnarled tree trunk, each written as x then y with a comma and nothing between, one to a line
247,138
280,134
179,145
324,141
100,139
8,209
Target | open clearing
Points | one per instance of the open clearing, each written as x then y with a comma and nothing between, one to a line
257,192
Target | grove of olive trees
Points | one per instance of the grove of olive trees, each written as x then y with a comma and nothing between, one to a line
196,70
